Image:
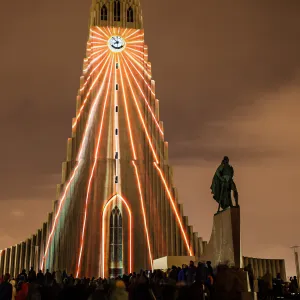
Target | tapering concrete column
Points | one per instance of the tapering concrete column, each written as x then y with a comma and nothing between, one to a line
277,265
186,226
204,244
38,253
255,268
250,260
7,260
246,261
200,246
32,252
11,269
181,240
190,234
269,266
195,245
282,269
273,266
264,266
260,268
43,242
22,256
17,259
2,260
27,255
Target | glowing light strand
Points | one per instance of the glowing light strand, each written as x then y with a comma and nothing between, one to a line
179,221
145,99
138,63
66,190
144,213
98,34
88,94
93,169
93,71
127,117
103,32
130,35
136,170
141,118
143,77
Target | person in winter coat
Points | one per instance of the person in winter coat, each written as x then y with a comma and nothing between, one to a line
182,273
191,273
23,287
14,290
119,292
6,288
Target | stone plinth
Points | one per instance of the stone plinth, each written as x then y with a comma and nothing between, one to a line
225,241
167,262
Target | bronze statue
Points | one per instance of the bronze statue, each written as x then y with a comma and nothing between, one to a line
223,184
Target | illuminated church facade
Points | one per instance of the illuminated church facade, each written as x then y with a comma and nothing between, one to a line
117,208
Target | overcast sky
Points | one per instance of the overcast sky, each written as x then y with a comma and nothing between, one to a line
228,80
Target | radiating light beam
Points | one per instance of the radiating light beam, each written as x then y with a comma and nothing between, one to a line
144,212
108,29
136,36
127,117
146,101
102,31
143,77
92,72
88,94
96,52
127,37
138,63
141,116
98,34
175,211
124,33
97,47
94,166
73,174
135,50
135,42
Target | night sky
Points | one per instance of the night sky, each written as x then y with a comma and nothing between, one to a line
228,80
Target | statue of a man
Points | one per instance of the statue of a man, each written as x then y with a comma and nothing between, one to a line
223,184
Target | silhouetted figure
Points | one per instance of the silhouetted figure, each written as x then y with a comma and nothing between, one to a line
183,273
173,274
6,288
191,273
210,271
201,273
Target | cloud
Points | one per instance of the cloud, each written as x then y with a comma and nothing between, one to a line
18,213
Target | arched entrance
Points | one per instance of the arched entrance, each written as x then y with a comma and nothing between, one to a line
115,257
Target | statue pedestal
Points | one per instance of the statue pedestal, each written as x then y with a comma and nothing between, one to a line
224,246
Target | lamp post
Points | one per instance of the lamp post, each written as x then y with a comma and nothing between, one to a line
295,248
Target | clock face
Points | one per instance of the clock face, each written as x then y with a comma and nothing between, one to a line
116,43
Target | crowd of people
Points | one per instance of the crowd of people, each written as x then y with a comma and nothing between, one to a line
178,283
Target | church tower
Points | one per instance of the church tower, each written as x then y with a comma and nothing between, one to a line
117,208
119,13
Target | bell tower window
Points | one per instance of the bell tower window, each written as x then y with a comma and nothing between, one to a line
117,11
130,15
104,13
